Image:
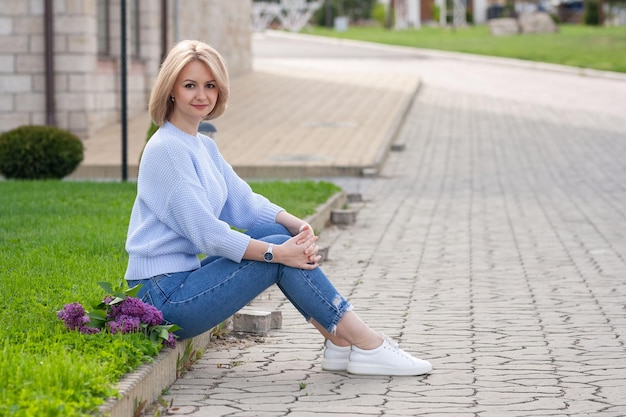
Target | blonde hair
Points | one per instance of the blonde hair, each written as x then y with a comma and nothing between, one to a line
160,106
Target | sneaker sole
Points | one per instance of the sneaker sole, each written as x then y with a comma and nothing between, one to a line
369,369
334,364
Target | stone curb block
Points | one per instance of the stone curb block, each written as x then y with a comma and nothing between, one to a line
258,322
252,321
343,217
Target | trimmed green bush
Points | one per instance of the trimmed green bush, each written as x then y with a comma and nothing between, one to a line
592,12
39,152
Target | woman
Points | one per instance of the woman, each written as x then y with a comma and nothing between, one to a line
188,197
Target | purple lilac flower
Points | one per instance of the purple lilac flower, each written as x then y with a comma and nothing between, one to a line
171,341
131,306
134,307
152,315
88,330
125,324
127,316
75,318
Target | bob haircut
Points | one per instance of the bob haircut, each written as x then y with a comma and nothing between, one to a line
160,106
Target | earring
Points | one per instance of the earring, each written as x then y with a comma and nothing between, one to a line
172,98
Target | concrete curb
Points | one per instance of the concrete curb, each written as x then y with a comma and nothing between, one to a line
392,134
391,137
148,381
321,217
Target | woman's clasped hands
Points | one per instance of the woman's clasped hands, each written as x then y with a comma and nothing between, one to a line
301,251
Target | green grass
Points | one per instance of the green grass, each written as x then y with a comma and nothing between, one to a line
57,240
581,46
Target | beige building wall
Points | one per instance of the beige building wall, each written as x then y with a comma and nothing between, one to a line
225,25
86,84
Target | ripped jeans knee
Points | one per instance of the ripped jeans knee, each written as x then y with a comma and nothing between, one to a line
314,296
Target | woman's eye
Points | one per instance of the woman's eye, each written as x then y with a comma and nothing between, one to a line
189,85
210,85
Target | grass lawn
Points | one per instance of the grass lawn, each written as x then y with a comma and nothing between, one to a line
57,240
601,48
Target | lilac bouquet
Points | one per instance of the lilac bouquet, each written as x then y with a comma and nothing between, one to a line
119,312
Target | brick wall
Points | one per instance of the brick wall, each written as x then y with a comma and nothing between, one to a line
20,83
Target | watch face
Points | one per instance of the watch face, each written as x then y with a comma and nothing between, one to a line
268,256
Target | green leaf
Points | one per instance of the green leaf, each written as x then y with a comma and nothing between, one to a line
98,318
164,334
118,299
132,292
100,306
108,288
100,314
172,328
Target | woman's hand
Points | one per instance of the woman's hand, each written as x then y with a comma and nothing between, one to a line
292,223
301,251
305,231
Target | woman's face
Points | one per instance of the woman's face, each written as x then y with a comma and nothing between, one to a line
195,93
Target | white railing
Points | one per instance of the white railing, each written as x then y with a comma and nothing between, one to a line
291,15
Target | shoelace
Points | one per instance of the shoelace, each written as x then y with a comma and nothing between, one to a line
389,340
396,348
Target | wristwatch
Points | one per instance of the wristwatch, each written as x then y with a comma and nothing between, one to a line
268,256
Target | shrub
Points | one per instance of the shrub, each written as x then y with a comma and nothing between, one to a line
592,13
39,152
153,128
320,17
355,10
379,14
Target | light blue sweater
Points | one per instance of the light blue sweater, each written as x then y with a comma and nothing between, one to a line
187,198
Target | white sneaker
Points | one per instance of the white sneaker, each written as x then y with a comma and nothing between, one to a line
335,357
388,359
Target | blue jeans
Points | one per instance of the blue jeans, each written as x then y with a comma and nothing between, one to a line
201,299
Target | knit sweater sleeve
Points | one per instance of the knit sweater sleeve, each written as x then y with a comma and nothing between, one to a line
243,207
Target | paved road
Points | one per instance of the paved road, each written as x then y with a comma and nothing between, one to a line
494,245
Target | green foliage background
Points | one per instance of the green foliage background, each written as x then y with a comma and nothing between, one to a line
594,47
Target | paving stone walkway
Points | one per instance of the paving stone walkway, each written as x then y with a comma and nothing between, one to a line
494,246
